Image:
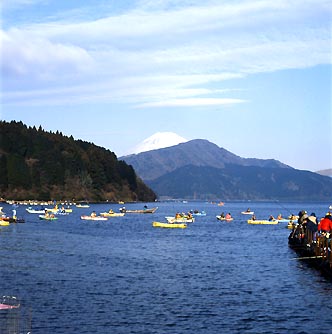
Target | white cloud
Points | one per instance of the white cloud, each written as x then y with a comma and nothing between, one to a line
35,57
168,50
192,102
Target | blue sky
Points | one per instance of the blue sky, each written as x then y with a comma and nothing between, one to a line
252,76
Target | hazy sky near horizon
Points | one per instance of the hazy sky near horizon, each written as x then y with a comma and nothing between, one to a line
252,76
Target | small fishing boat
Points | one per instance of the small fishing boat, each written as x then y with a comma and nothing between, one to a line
4,223
9,302
262,222
112,214
247,212
169,225
47,217
284,220
13,219
31,210
57,209
181,219
82,205
198,213
224,218
145,210
97,218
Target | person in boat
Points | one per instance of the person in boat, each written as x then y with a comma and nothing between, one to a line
271,218
222,215
248,210
228,216
177,215
111,211
189,215
253,217
279,217
93,214
292,217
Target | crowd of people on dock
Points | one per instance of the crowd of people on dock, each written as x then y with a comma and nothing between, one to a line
312,237
309,227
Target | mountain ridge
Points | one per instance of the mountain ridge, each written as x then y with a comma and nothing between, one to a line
199,169
198,152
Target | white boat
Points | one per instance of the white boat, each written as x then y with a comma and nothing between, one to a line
39,211
112,214
93,218
247,212
262,222
197,213
82,205
47,217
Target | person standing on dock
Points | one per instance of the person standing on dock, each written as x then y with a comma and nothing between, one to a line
325,225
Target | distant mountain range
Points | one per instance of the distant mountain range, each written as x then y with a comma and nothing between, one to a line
199,169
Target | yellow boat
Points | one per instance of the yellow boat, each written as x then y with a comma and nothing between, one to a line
263,222
169,225
56,209
112,214
4,223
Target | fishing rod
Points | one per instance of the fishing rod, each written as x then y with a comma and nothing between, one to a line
307,257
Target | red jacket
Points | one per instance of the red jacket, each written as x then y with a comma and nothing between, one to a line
325,225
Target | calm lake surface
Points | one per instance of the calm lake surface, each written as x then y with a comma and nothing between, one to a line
124,276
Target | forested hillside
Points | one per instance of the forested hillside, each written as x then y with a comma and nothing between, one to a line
35,164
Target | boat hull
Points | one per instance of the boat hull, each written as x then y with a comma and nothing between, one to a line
43,217
114,214
152,210
173,220
262,222
169,225
224,219
98,218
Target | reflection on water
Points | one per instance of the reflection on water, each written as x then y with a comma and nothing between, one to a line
124,276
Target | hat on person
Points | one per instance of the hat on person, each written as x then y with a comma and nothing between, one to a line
312,219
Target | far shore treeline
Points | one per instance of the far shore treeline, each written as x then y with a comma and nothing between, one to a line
41,165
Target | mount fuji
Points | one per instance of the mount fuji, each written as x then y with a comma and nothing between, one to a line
157,141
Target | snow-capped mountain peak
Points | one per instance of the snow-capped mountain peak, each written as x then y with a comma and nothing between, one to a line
157,141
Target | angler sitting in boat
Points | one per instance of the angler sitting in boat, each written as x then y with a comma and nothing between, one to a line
271,218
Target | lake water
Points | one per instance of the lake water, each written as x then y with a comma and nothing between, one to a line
124,276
